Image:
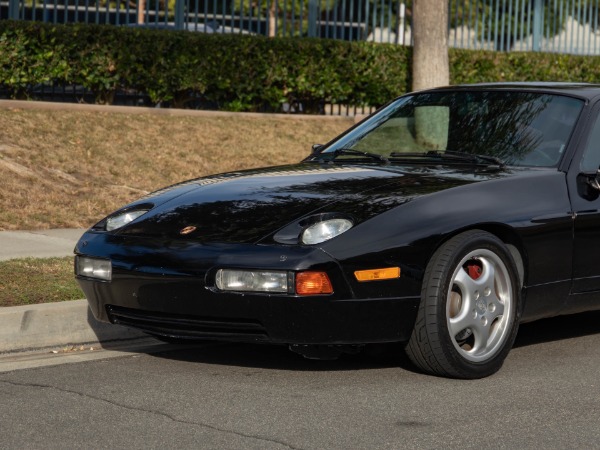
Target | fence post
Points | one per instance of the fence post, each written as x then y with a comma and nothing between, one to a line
400,26
313,8
538,14
179,14
13,9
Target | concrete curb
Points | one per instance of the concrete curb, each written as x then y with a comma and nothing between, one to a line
47,325
51,325
50,106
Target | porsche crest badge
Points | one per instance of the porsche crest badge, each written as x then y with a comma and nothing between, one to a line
187,230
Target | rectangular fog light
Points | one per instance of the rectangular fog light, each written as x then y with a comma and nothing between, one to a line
252,280
100,269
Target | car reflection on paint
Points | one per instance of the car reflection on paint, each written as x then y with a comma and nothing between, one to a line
442,221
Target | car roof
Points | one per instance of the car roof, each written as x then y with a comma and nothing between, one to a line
585,90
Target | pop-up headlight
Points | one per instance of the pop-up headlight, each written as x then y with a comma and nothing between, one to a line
325,230
120,220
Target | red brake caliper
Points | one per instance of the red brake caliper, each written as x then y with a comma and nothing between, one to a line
474,271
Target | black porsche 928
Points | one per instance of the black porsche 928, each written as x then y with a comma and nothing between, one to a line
442,221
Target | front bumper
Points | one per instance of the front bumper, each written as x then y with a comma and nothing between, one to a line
165,288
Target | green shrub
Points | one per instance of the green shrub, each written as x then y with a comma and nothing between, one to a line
470,66
245,73
240,72
31,55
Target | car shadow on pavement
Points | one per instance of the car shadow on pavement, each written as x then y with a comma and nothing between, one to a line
278,357
558,328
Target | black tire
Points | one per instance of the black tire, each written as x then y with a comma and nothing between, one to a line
470,308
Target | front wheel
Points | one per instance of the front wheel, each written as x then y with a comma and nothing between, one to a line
470,308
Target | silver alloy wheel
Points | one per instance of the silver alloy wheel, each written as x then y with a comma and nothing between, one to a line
479,306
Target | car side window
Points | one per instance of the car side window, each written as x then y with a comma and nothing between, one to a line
591,155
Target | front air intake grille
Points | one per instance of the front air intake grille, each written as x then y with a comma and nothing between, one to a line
189,327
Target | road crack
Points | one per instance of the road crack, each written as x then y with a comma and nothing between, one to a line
150,411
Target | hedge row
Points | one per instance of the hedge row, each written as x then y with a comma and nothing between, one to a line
243,72
236,72
469,66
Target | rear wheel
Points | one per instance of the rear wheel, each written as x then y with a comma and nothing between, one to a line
470,308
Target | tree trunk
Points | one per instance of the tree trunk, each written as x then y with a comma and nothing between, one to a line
272,18
430,53
141,11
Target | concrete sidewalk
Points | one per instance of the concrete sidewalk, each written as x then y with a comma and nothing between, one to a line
38,244
50,325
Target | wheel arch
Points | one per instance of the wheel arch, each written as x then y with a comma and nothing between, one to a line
508,236
437,347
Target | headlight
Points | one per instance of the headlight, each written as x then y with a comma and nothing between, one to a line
120,220
323,231
252,280
100,269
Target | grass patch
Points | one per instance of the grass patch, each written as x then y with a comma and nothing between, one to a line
68,169
30,281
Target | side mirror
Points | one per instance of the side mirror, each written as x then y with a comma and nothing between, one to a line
588,185
316,147
592,180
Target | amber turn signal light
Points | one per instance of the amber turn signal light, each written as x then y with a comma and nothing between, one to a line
313,283
386,273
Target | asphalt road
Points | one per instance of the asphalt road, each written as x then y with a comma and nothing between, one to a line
234,396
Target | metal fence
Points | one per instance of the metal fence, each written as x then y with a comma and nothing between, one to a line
565,26
562,26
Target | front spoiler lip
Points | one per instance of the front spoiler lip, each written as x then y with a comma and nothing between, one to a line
185,327
287,324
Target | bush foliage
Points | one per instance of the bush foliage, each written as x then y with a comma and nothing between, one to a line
240,72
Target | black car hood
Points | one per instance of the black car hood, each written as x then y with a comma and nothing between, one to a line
250,206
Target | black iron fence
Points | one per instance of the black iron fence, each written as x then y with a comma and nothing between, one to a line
565,26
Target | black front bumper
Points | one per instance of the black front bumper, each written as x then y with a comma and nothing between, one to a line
196,313
165,289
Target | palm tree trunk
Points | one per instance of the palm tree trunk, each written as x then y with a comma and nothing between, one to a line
430,53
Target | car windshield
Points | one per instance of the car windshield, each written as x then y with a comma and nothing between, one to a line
514,128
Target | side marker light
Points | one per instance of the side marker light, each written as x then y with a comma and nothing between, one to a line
386,273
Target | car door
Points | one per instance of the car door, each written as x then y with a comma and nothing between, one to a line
584,190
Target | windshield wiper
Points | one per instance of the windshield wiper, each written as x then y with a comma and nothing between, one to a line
453,156
477,156
349,151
